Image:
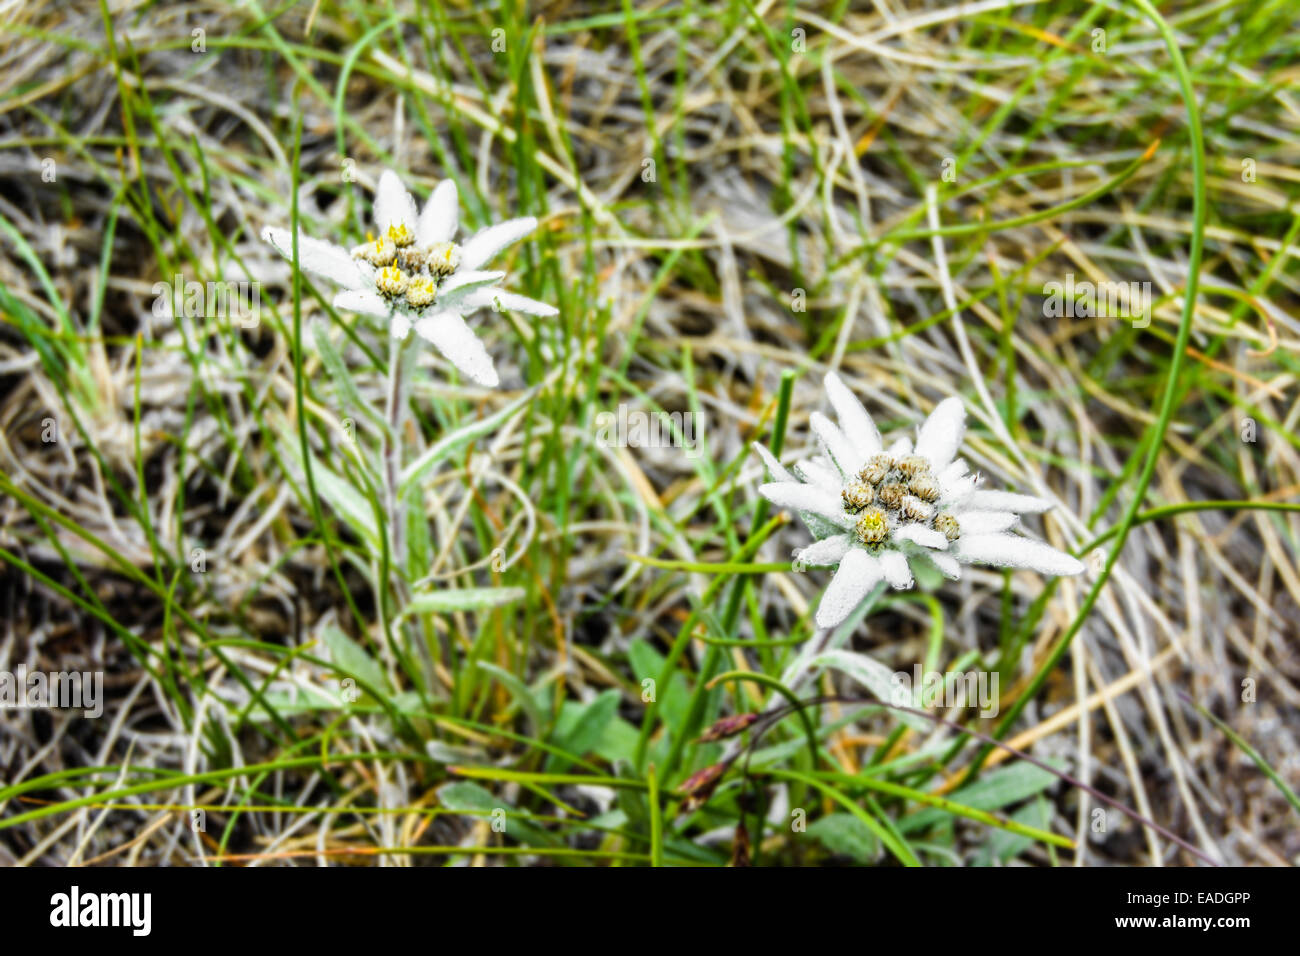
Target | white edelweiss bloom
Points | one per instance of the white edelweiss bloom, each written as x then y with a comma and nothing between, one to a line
874,508
416,276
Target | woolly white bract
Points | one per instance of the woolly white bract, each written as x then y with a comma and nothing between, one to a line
873,508
416,276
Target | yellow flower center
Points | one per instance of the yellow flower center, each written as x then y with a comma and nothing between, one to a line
377,252
391,282
421,291
444,257
873,526
887,492
407,269
401,235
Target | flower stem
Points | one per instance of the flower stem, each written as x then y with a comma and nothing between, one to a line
396,400
395,413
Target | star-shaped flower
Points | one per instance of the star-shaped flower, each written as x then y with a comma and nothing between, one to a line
416,276
873,509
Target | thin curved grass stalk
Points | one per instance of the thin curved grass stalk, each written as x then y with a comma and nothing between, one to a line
771,718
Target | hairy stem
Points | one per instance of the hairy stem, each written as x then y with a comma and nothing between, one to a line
392,453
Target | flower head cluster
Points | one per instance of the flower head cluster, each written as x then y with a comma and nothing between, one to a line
415,274
889,492
873,509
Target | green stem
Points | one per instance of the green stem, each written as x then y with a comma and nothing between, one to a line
392,448
1166,511
714,652
1168,398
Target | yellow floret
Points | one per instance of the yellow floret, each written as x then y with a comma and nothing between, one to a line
891,495
857,496
913,465
401,235
444,257
412,260
925,487
420,292
876,469
873,526
379,252
390,281
947,525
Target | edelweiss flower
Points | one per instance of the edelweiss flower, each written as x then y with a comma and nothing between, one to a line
873,509
416,276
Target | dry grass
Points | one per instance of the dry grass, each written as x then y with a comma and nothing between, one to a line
817,175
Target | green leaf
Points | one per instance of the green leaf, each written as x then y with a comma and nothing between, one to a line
419,541
818,526
465,795
461,436
303,700
1005,786
993,791
522,695
349,397
618,741
580,728
871,674
349,505
462,599
928,575
846,835
353,659
1006,845
674,700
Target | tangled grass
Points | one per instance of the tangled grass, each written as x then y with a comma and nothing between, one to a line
734,199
